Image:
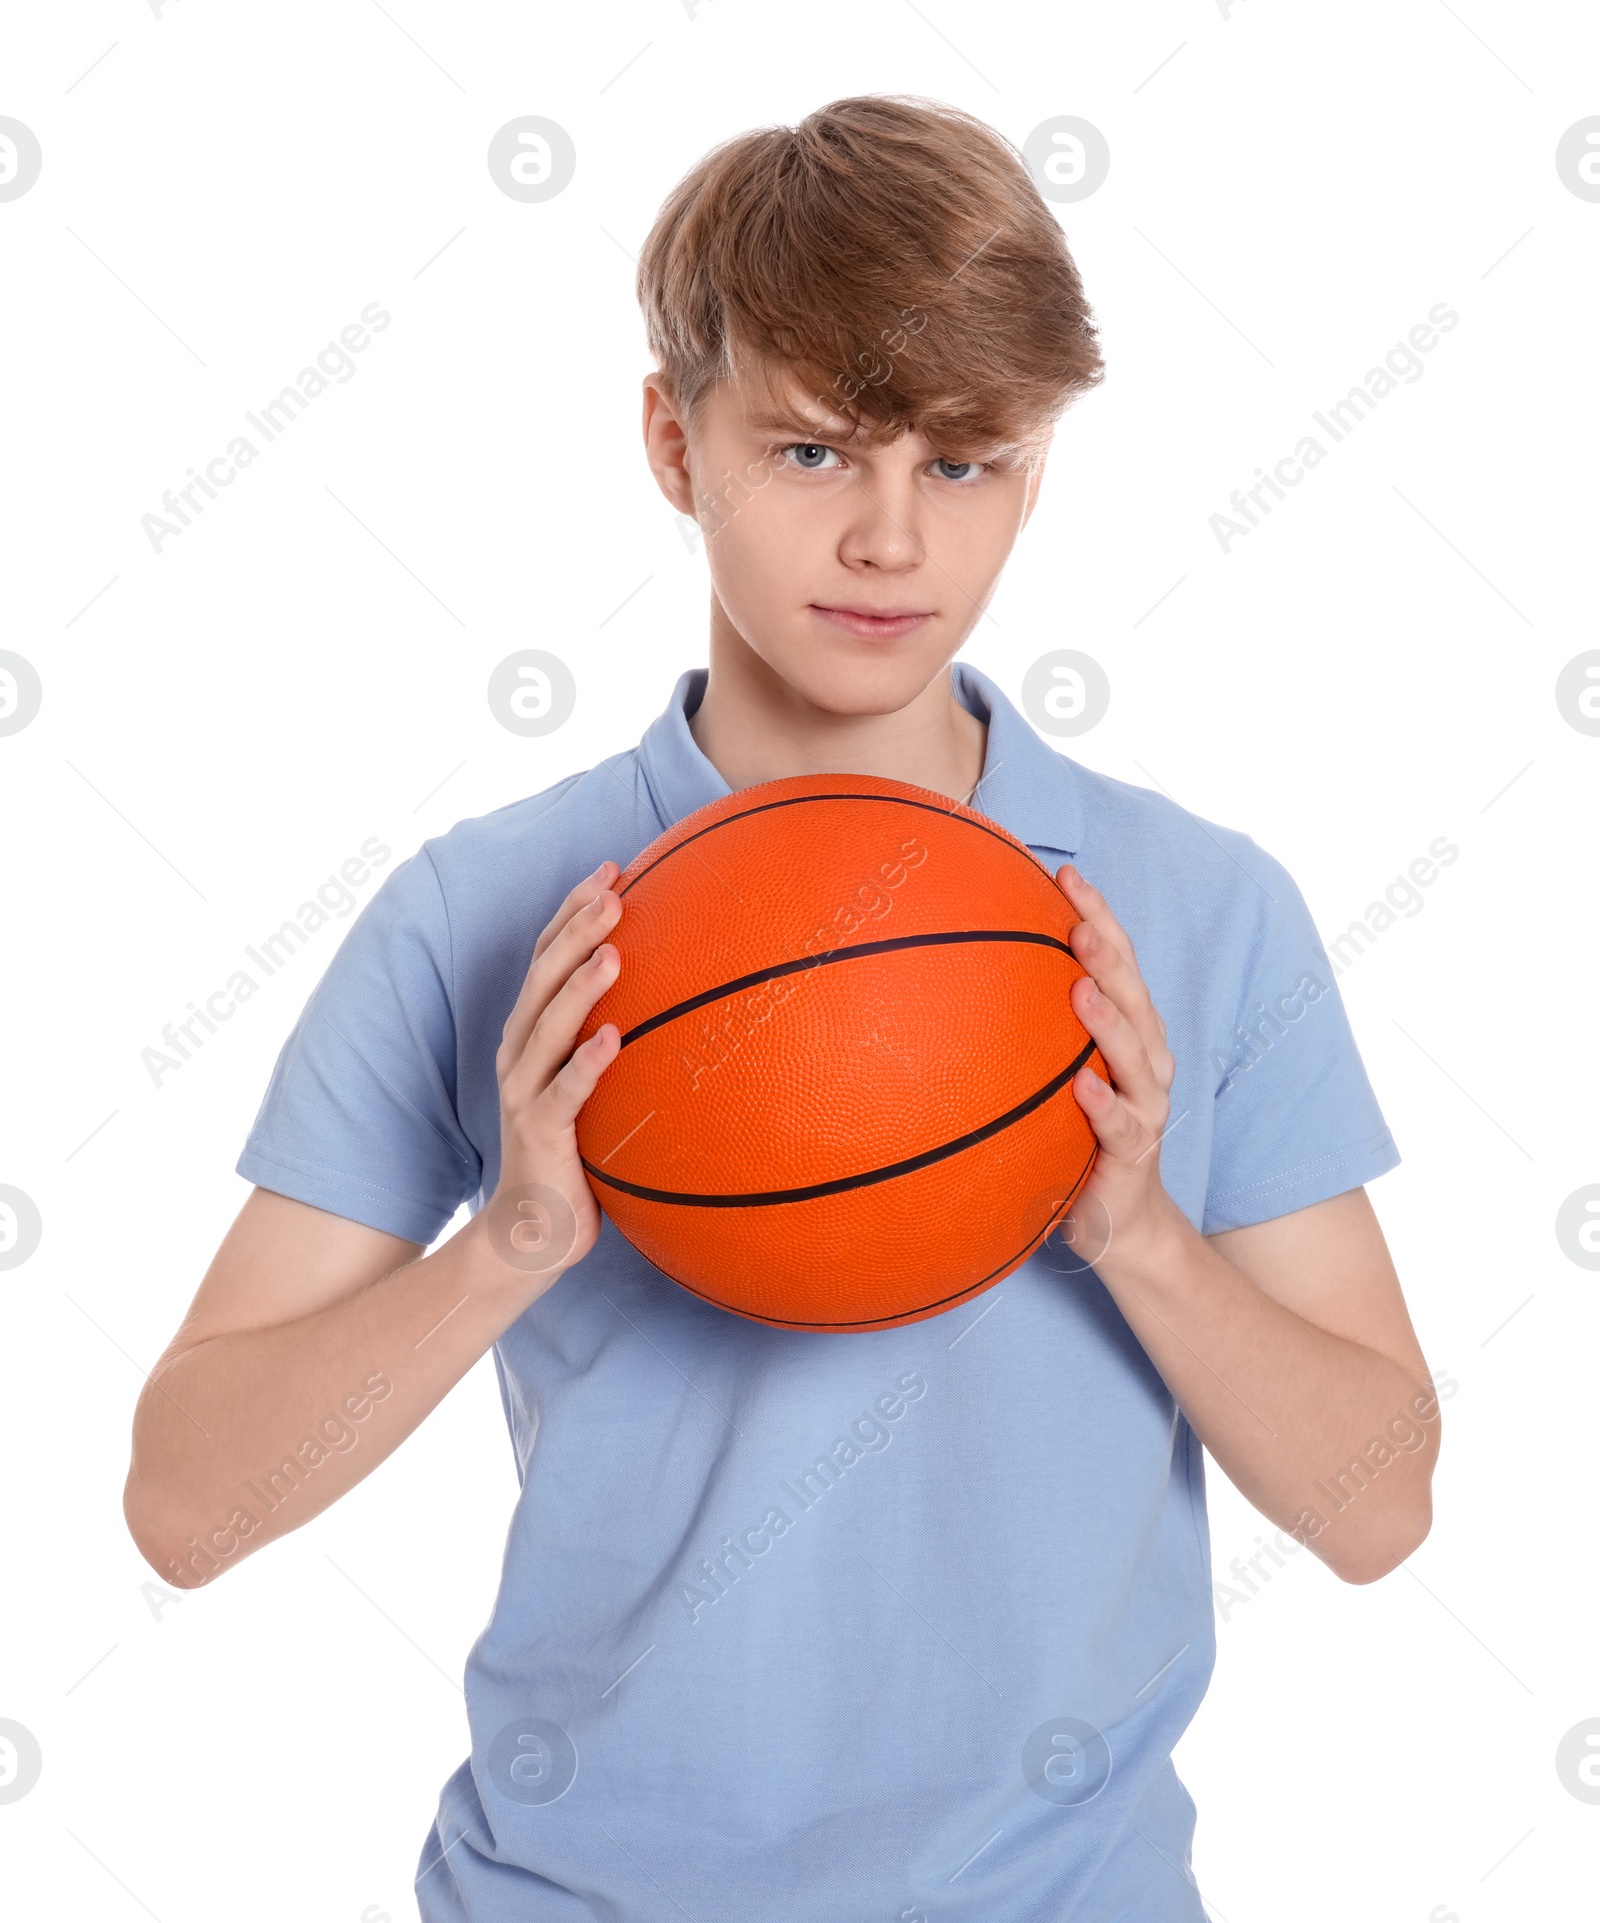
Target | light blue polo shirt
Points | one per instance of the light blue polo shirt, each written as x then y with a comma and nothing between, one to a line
888,1627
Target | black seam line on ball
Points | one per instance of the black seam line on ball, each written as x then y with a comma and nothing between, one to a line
1034,1241
841,1184
795,801
888,946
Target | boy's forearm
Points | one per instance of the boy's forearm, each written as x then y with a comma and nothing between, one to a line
1302,1419
243,1437
1286,1408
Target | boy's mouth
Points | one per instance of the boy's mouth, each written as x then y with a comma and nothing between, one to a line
872,624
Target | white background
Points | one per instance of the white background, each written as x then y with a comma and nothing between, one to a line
226,721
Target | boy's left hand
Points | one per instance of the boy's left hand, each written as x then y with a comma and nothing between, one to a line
1130,1116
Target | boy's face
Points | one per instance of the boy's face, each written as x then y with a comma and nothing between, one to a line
814,538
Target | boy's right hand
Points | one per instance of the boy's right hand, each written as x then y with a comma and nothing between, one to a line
301,1307
543,1216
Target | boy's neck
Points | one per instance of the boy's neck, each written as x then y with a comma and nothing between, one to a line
752,726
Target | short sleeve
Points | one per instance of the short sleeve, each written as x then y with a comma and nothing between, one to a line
1294,1118
360,1117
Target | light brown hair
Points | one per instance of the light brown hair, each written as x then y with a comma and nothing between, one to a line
892,255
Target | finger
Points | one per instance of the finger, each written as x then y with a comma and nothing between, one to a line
1117,1128
1114,975
571,943
1119,980
575,1083
1095,910
581,895
1120,1044
555,1031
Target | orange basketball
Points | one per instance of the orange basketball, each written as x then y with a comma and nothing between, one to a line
843,1097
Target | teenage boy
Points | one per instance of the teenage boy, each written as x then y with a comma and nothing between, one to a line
814,1627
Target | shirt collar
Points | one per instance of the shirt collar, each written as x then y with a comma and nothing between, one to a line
1026,786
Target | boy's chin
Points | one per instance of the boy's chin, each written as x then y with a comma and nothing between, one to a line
873,678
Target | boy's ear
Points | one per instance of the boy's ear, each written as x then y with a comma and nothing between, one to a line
666,446
1034,481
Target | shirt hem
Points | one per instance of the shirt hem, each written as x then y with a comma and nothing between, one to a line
1299,1187
375,1206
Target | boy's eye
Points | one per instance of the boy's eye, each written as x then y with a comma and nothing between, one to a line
808,455
811,457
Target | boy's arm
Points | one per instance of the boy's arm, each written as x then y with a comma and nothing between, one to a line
314,1347
1286,1344
315,1344
1289,1348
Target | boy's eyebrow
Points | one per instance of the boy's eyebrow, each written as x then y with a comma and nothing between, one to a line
780,421
785,420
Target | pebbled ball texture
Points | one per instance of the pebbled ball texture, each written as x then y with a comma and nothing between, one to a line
843,1097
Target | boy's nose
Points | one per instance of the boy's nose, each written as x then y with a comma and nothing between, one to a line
882,527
